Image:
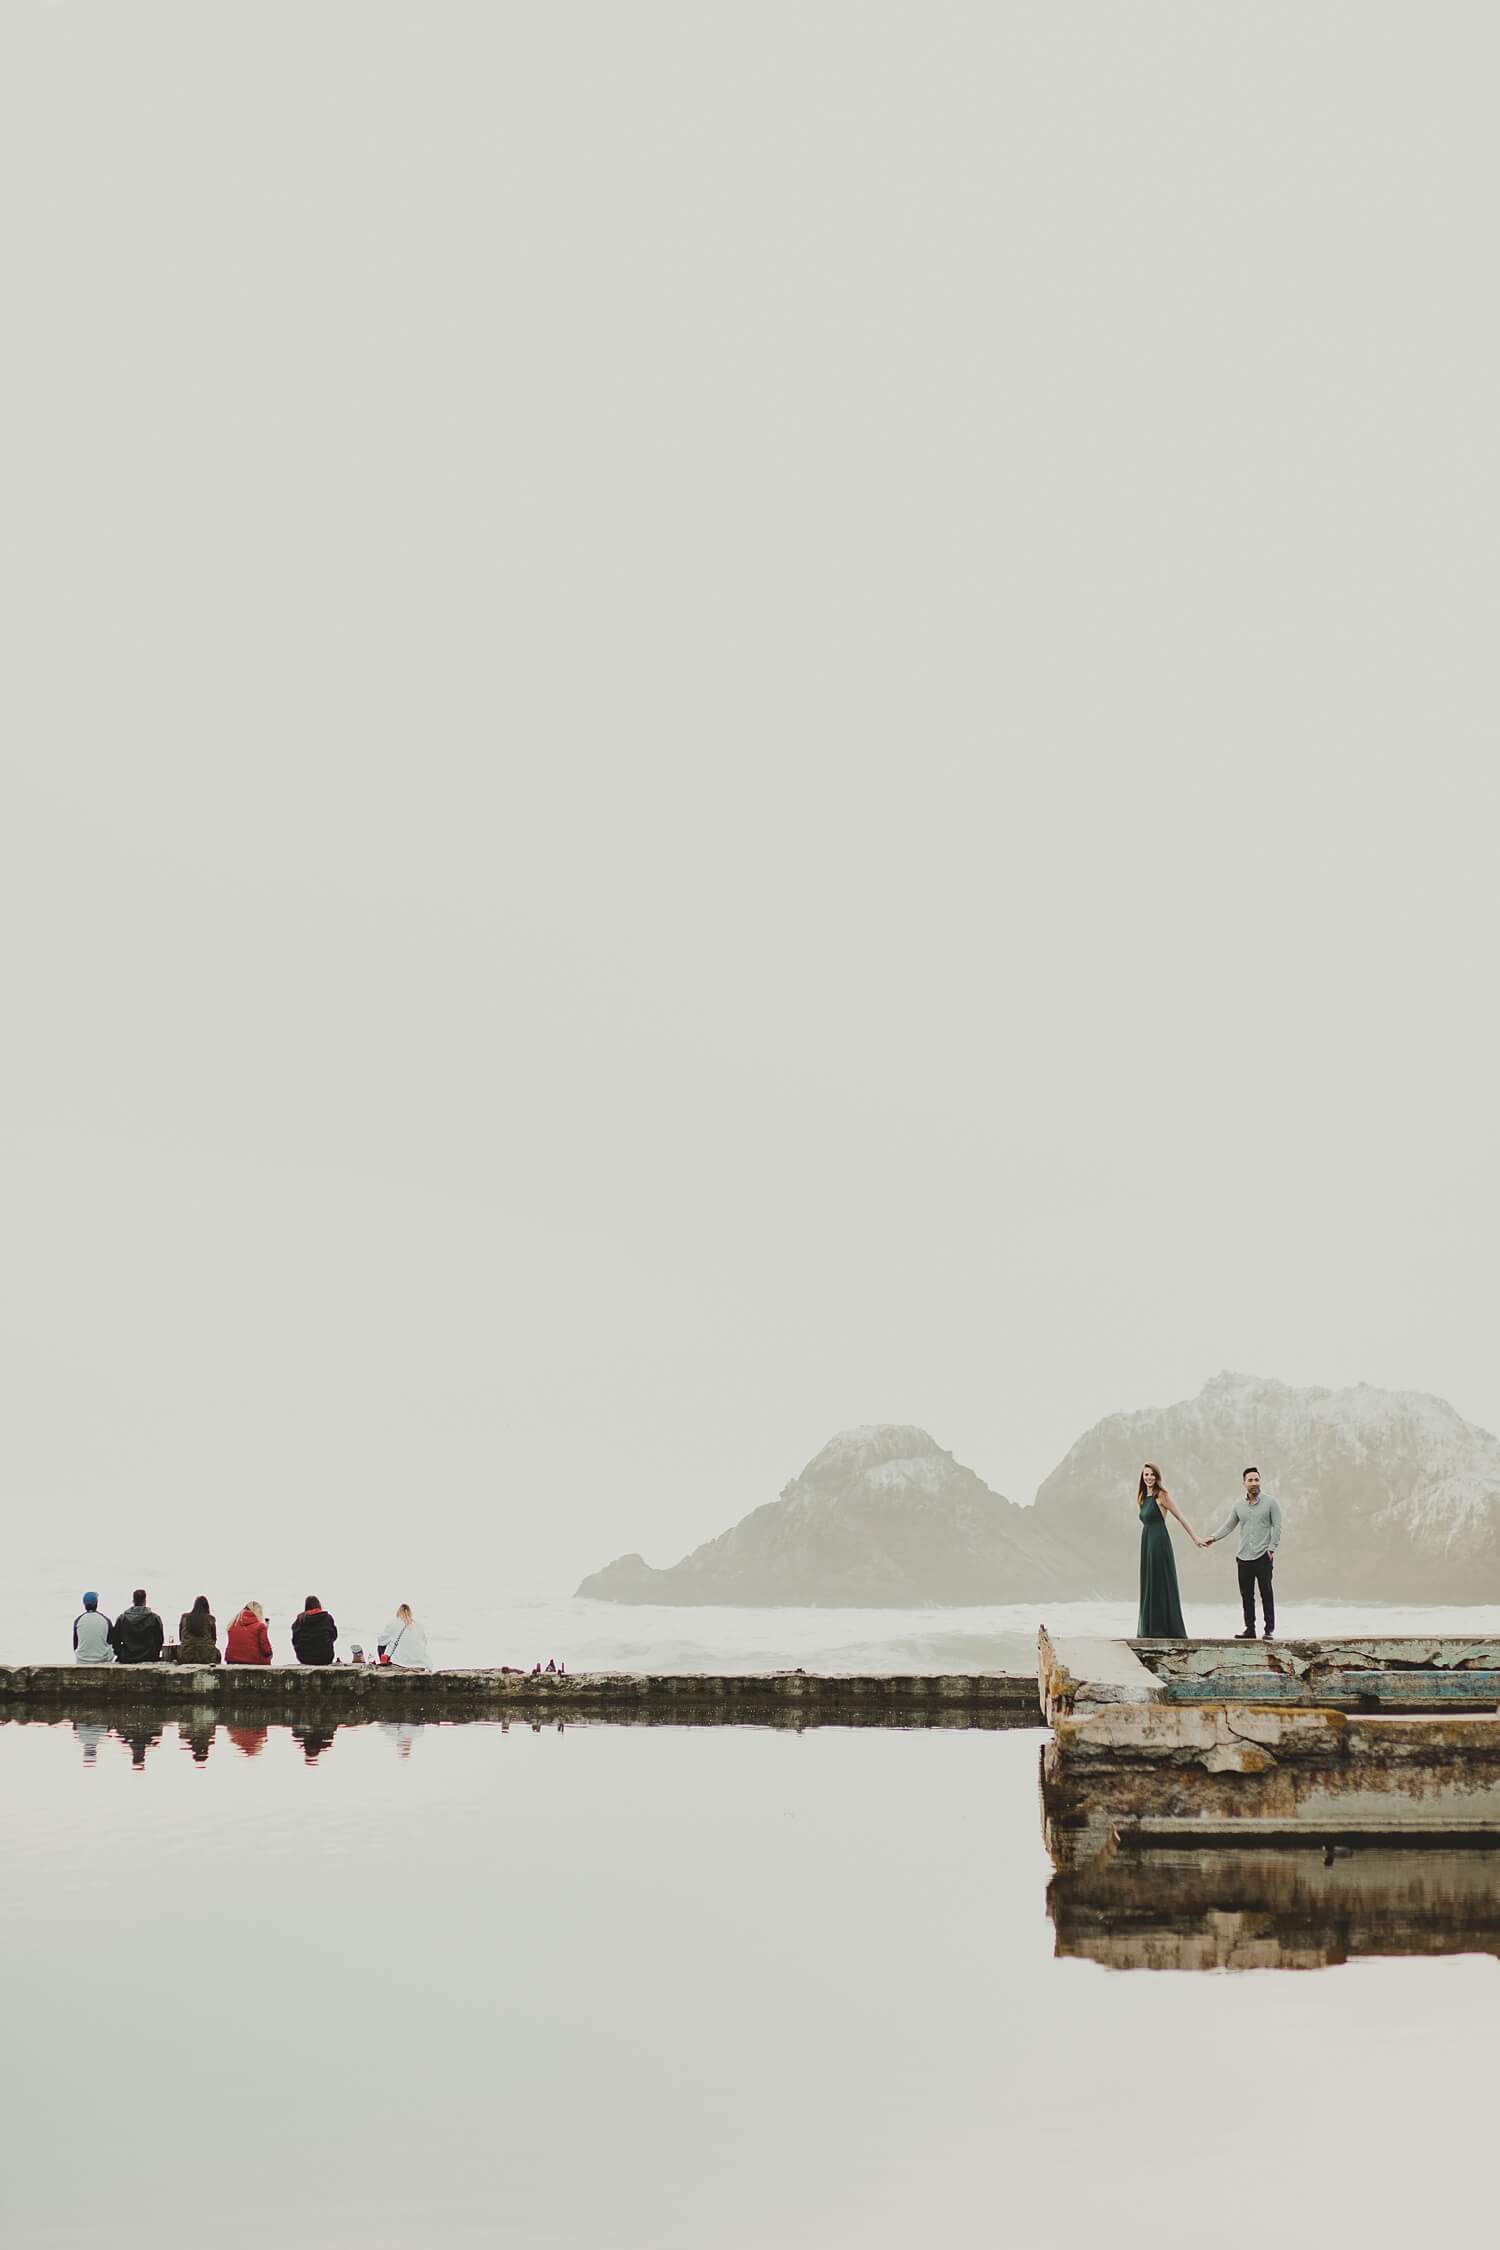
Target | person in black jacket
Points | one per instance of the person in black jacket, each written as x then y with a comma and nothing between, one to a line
314,1633
137,1634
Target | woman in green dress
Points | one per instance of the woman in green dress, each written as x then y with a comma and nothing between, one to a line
1160,1617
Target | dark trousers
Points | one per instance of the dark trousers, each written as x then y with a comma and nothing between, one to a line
1253,1574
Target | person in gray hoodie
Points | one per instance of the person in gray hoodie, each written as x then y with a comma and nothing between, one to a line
92,1631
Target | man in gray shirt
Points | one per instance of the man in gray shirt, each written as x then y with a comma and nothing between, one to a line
1259,1519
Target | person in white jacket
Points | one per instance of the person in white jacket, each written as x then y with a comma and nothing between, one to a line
91,1631
403,1641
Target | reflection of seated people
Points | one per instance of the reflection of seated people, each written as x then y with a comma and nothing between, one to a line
314,1633
92,1634
250,1740
198,1736
89,1733
314,1741
138,1736
403,1733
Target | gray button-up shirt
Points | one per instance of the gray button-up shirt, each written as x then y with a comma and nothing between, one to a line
1260,1526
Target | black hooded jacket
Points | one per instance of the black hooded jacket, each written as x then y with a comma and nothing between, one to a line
137,1635
313,1636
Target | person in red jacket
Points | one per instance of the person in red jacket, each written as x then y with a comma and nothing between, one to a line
248,1642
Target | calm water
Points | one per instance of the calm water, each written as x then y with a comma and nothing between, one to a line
634,1989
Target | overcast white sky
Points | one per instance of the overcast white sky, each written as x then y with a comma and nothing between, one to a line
722,720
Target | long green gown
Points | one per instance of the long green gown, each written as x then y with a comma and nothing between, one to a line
1160,1616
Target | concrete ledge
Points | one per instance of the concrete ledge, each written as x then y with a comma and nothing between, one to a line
1076,1671
1156,1832
349,1693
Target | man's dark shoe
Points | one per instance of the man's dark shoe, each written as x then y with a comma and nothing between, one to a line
1247,1635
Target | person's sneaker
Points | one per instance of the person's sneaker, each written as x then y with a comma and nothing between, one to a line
1268,1635
1247,1635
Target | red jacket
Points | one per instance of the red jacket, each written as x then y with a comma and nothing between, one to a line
248,1642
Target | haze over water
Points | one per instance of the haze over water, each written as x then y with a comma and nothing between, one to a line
466,1626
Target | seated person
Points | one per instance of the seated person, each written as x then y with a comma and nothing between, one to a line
248,1642
198,1634
403,1641
91,1634
138,1634
314,1633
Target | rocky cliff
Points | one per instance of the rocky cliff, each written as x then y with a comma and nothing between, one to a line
1388,1495
882,1517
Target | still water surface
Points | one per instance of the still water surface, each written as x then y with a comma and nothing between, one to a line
635,1989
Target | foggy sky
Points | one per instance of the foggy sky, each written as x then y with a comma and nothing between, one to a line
719,721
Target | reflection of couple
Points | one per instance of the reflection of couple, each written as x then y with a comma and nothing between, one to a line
1258,1520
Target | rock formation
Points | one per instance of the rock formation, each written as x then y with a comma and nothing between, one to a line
1388,1495
881,1518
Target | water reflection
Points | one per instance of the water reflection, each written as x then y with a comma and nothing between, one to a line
196,1734
401,1734
139,1736
1306,1908
314,1741
1166,1867
249,1740
90,1733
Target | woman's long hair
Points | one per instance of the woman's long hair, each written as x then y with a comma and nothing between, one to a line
403,1611
200,1607
1140,1490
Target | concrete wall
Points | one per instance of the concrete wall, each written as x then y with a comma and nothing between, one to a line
347,1693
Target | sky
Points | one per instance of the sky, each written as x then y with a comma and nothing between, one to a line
718,722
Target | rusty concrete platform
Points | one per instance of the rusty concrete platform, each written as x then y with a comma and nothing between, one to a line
1398,1673
1179,1774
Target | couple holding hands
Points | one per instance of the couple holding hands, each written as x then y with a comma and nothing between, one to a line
1258,1518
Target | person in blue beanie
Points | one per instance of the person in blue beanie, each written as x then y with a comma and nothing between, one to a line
92,1642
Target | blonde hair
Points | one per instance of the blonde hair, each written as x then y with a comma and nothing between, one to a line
256,1611
403,1611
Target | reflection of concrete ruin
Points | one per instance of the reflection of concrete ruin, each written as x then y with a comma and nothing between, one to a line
1302,1908
1227,1830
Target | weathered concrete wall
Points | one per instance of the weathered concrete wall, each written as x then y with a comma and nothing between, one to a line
1399,1673
1402,1672
1160,1811
343,1694
1290,1779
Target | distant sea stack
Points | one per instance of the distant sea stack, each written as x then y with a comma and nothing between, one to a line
1388,1495
882,1518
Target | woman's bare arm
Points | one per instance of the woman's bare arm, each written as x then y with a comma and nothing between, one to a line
1165,1500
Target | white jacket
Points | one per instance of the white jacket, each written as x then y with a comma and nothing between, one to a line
91,1638
405,1644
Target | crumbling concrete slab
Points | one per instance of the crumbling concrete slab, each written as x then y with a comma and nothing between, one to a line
1076,1669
